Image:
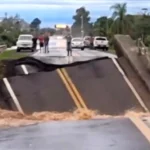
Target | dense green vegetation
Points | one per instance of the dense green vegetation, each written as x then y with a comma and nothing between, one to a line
11,27
138,26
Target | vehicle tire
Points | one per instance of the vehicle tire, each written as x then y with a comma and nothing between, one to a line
18,49
91,47
107,49
82,48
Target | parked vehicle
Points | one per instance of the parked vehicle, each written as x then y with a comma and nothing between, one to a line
101,42
77,43
25,42
87,41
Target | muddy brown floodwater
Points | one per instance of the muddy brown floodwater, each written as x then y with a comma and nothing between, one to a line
14,119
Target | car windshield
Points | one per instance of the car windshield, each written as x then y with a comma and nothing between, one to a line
77,40
25,38
100,38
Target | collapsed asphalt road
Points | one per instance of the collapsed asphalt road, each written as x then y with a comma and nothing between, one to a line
32,85
99,83
94,84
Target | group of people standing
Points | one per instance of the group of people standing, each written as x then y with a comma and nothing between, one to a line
43,42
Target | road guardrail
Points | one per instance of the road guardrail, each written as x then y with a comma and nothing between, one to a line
143,51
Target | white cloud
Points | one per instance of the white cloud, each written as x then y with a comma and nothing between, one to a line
68,4
28,6
65,9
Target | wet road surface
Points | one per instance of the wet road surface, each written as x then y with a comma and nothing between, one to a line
58,56
105,134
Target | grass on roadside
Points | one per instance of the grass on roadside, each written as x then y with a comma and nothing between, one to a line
112,51
11,54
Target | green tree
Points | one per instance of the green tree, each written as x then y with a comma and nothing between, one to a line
142,26
147,41
81,15
10,30
119,16
102,26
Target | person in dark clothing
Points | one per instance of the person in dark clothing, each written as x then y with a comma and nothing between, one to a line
34,40
41,40
46,42
91,42
69,48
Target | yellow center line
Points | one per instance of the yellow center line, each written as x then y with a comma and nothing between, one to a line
68,88
77,94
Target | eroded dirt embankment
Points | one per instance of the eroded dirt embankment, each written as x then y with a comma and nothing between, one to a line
14,119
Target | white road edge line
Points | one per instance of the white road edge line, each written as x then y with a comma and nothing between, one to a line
12,94
145,130
130,85
24,68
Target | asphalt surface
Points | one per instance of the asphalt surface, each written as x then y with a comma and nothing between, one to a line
105,134
98,83
42,92
58,56
102,87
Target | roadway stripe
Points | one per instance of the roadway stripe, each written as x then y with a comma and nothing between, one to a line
145,130
24,68
68,88
74,89
12,94
130,85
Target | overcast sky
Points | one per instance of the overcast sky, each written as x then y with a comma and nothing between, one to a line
61,11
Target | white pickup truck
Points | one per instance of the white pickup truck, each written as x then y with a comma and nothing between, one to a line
101,42
24,42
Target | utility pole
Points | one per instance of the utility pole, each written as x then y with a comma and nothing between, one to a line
82,27
107,27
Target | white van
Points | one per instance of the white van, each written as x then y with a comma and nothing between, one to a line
24,42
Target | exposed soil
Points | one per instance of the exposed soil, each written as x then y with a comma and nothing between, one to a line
14,119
